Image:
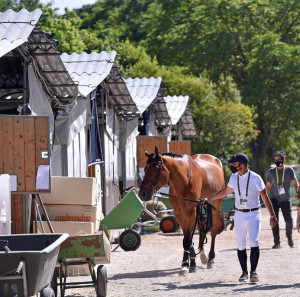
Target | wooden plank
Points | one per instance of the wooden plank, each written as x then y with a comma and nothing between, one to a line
41,139
18,205
8,145
29,138
1,145
19,154
180,147
148,143
13,215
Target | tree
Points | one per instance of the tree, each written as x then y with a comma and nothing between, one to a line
67,31
255,42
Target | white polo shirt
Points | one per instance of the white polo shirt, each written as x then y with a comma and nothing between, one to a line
256,185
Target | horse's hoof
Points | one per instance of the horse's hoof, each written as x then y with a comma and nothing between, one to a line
193,269
203,258
184,271
210,265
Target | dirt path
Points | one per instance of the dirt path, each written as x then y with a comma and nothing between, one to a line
153,269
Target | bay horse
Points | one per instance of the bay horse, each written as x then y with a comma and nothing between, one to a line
192,177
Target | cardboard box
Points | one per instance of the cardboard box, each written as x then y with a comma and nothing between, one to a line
71,190
72,228
75,213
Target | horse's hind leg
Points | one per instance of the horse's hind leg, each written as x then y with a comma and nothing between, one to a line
211,255
192,259
203,256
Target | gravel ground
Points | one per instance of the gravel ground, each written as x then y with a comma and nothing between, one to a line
153,269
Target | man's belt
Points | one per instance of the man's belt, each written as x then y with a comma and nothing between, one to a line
249,209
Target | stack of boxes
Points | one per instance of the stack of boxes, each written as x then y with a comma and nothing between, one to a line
72,208
71,205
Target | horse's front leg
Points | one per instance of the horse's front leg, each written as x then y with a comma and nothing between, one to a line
185,264
192,259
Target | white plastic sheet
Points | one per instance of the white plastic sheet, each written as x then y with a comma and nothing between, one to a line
5,205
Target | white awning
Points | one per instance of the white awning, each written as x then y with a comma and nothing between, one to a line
89,70
15,28
176,106
143,90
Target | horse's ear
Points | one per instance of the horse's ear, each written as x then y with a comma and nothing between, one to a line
147,154
156,151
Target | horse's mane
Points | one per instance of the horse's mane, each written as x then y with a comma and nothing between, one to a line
173,155
152,156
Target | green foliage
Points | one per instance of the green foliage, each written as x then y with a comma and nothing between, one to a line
17,5
68,32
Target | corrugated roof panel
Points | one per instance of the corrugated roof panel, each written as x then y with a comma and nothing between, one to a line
15,28
176,106
143,90
186,124
89,70
43,50
119,96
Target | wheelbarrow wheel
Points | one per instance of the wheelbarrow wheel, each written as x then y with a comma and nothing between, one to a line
47,292
101,281
168,224
221,224
129,240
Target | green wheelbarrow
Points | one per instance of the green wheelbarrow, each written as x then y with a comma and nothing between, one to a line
123,216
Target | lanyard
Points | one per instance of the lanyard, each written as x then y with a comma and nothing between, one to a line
238,181
282,181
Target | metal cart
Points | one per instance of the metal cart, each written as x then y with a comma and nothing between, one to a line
27,263
86,249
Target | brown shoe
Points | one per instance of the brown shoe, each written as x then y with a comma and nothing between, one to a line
253,277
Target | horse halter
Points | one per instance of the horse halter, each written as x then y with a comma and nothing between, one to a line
155,181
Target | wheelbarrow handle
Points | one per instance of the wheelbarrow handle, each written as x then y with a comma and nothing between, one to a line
20,267
4,244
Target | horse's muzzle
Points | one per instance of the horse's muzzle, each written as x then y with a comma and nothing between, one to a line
145,194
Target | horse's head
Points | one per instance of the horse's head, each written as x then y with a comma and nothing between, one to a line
155,175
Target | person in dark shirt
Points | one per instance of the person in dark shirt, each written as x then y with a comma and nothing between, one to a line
278,188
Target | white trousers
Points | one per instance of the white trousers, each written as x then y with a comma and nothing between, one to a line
247,223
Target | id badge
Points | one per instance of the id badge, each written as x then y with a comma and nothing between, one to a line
243,202
281,190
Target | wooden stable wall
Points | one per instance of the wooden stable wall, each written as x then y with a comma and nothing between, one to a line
148,143
21,140
180,147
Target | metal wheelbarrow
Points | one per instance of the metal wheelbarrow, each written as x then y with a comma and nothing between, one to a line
27,263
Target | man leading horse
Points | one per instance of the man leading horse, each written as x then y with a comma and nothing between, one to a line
247,186
190,178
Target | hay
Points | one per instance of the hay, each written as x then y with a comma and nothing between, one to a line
157,206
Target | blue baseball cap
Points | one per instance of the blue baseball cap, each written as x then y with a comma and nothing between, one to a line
239,157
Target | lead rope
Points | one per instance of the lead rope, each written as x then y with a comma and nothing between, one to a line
201,211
